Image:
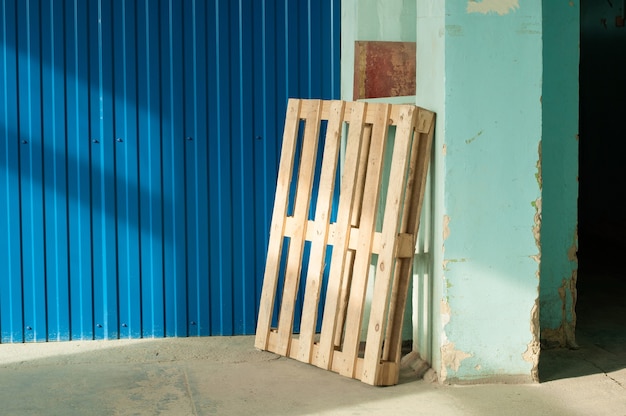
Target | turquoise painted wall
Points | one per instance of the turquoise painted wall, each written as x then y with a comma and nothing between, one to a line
493,76
431,94
559,240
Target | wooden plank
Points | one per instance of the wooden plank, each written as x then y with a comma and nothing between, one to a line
311,113
354,147
320,228
275,245
354,221
406,242
386,258
419,168
388,371
370,117
405,246
362,258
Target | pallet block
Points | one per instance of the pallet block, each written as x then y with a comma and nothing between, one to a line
301,235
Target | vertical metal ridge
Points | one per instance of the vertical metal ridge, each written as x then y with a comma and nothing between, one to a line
261,98
55,171
31,171
11,306
222,252
174,138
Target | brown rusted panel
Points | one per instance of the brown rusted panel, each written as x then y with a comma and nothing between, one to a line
384,69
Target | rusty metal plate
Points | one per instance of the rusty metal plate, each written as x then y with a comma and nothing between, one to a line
384,69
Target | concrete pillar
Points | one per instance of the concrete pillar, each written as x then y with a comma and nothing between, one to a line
502,77
480,68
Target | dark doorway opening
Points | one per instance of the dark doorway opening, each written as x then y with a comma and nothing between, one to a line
601,304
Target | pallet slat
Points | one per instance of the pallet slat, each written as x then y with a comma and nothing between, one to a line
385,265
320,231
277,227
353,235
362,259
354,147
311,112
418,172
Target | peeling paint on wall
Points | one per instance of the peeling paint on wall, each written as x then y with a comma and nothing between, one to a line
568,328
571,334
531,354
564,335
446,234
560,337
537,205
538,175
445,314
487,6
451,358
572,255
537,230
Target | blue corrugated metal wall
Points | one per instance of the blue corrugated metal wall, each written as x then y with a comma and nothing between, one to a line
139,145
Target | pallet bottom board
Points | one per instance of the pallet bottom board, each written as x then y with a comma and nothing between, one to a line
387,372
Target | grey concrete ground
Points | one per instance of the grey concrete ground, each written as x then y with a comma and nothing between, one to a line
228,376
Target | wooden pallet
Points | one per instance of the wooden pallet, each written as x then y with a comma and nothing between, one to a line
354,236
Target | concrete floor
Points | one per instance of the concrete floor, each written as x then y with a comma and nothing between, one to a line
228,376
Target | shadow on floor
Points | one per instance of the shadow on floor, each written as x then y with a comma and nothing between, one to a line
600,320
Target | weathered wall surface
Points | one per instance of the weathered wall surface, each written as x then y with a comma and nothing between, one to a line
559,172
490,270
480,69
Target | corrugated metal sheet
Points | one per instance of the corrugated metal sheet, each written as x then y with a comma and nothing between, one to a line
139,144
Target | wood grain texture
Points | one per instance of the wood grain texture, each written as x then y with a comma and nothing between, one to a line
338,346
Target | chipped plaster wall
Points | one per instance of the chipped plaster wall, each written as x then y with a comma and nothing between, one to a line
491,201
559,175
492,6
